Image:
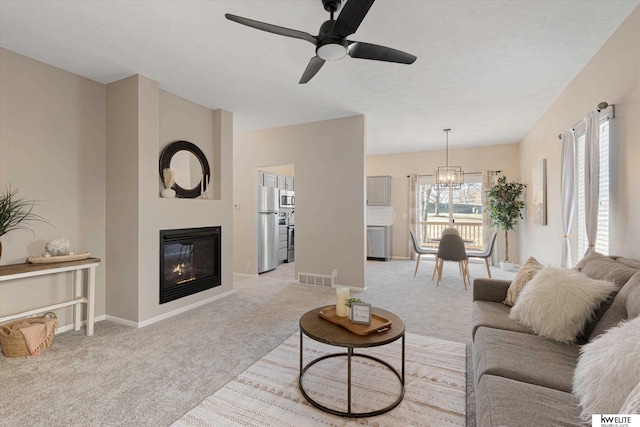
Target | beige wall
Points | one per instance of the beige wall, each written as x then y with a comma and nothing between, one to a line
613,75
52,148
328,157
495,157
90,154
160,118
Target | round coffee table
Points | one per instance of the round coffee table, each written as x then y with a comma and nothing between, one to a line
324,331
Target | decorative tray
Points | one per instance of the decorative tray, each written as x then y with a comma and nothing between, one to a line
378,324
62,258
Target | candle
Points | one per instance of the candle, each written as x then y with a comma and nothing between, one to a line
342,295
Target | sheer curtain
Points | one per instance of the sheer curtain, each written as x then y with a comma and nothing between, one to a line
567,179
487,228
412,210
591,177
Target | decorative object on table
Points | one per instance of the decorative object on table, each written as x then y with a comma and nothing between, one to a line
342,296
505,205
58,247
28,337
168,178
350,301
48,259
448,176
360,313
379,324
190,166
15,213
540,193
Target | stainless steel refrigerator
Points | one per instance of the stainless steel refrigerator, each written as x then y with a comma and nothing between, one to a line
267,228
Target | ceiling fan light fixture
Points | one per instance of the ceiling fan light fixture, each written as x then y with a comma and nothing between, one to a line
332,51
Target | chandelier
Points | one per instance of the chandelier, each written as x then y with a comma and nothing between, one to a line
448,176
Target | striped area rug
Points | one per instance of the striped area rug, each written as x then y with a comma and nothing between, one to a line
267,393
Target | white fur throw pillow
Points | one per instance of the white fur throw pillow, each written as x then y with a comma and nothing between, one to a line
556,303
608,370
632,404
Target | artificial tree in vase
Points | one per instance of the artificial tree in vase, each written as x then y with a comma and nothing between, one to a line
505,205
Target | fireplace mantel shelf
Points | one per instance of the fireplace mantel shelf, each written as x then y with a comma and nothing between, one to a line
19,271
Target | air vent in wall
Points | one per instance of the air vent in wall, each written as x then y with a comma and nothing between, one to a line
317,279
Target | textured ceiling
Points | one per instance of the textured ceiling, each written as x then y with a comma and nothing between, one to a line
485,69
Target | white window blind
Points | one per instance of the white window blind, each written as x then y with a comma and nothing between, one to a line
579,235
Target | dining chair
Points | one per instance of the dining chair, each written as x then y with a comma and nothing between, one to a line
486,252
452,248
420,250
450,230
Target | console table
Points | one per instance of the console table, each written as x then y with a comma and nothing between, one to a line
20,271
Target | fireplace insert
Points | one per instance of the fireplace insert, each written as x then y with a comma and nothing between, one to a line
189,261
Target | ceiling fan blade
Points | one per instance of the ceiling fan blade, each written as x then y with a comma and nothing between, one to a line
352,14
270,28
312,68
379,53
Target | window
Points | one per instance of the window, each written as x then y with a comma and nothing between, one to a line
579,236
433,210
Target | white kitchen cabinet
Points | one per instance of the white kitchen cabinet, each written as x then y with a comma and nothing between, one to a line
379,242
285,182
282,182
270,180
282,244
378,191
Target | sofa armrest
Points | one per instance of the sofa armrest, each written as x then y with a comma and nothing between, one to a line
490,289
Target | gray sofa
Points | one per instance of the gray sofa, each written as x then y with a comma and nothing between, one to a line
522,379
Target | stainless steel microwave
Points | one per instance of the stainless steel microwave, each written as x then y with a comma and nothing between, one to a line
287,199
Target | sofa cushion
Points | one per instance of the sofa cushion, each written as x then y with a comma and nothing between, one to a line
490,289
628,262
524,276
626,305
494,315
598,266
602,267
608,370
524,357
506,402
557,303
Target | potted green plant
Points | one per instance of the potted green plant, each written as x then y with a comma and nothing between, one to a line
15,213
505,205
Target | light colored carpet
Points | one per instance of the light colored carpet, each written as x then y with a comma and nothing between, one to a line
267,394
151,376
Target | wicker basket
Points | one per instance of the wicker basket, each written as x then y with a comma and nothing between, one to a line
12,340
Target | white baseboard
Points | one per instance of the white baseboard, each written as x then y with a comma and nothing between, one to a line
69,327
400,257
169,314
133,324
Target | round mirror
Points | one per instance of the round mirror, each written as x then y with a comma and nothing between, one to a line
190,168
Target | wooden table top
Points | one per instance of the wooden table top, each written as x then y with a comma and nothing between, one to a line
324,331
27,267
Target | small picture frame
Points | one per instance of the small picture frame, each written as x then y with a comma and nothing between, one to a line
360,313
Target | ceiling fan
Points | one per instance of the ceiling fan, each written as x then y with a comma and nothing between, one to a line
331,43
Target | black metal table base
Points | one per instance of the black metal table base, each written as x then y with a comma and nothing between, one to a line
350,354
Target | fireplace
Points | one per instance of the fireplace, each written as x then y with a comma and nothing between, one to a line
189,261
